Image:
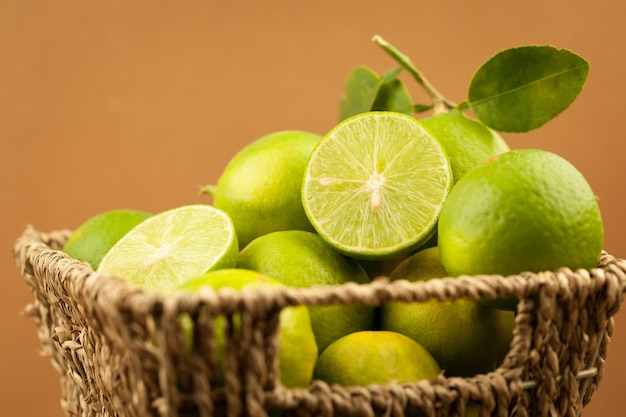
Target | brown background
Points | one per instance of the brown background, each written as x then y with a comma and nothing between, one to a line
111,104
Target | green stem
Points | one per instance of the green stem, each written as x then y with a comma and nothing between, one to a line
440,103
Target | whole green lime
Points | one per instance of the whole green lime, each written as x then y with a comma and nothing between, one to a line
303,259
375,357
467,141
260,186
525,210
464,336
92,239
298,351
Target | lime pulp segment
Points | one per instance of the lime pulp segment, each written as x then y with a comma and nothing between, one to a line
172,247
375,185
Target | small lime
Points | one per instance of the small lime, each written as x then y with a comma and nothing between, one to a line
298,351
92,239
260,186
303,259
464,336
375,357
468,142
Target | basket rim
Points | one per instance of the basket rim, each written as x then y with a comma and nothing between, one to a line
33,245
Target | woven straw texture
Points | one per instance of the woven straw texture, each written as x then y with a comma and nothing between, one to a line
120,351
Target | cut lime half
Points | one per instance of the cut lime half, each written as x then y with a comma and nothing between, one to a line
173,246
375,185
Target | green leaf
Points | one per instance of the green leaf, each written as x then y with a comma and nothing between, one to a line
421,108
521,89
366,91
361,89
393,96
391,74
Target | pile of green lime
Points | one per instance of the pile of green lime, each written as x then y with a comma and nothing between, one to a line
412,191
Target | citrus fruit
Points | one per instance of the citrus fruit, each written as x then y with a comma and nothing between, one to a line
525,210
464,336
375,357
381,268
173,246
377,268
90,241
260,186
375,184
467,141
298,351
303,259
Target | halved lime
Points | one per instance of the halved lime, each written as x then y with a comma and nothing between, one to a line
173,246
375,184
94,237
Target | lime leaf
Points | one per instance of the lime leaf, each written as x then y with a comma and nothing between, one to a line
361,89
366,91
421,108
393,96
391,74
520,89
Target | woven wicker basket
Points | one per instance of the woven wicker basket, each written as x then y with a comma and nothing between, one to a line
120,350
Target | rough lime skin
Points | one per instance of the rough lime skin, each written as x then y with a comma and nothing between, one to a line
303,259
260,186
93,238
464,336
375,357
526,210
298,351
468,142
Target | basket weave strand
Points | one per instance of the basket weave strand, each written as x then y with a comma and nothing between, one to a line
122,352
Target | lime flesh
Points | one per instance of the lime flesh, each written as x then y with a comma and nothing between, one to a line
173,246
375,184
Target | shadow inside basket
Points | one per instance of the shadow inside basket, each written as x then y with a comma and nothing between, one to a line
122,351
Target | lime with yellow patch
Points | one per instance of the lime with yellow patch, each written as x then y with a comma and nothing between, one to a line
464,336
298,350
375,357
